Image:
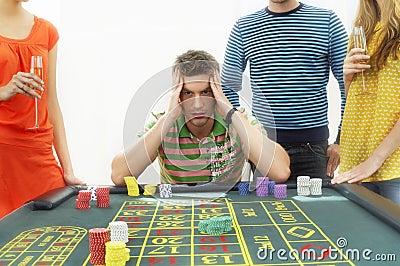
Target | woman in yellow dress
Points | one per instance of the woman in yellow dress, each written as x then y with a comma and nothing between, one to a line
370,139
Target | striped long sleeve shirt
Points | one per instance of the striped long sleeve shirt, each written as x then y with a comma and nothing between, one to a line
290,56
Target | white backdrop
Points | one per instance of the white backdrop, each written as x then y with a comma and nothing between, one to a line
108,49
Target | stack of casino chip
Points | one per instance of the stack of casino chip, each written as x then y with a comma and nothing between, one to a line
280,191
103,197
165,190
271,186
94,192
97,239
316,186
149,190
262,186
119,231
132,186
83,200
244,188
303,185
116,253
216,225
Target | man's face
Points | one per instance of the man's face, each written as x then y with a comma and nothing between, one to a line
197,100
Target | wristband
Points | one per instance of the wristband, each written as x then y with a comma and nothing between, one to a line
228,118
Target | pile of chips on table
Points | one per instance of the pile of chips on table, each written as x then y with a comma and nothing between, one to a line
217,225
101,194
97,239
309,186
280,191
316,186
132,186
103,197
165,190
262,186
119,231
149,190
271,187
244,188
109,249
303,185
116,253
83,200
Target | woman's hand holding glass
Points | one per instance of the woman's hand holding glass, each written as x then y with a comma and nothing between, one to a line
354,63
24,83
357,56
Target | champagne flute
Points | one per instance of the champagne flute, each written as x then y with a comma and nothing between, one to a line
37,69
358,40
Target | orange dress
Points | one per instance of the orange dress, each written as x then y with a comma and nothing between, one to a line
28,167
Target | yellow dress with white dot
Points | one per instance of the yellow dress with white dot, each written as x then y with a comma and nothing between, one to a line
370,115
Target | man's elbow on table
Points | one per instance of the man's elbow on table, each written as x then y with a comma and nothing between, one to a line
283,175
280,170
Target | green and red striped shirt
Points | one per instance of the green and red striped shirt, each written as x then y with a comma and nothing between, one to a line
184,158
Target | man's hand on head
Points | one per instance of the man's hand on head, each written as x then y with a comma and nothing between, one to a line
174,106
222,103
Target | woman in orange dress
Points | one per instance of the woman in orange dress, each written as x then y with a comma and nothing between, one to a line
28,166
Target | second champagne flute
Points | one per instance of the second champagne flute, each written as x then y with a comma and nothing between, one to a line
358,40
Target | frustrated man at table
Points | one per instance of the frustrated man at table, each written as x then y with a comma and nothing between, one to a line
201,137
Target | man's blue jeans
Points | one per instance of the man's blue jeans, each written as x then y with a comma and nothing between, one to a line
308,159
305,159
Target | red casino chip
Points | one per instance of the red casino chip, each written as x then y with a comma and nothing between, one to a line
85,195
82,205
97,239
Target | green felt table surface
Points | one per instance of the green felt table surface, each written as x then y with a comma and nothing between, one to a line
338,230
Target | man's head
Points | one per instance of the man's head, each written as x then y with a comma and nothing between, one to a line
195,62
196,97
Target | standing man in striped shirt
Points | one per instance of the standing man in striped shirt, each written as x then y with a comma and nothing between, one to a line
291,48
201,137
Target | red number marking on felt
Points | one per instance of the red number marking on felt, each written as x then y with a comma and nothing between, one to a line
165,233
208,248
207,238
214,248
207,205
222,238
136,207
154,261
225,248
212,239
307,247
